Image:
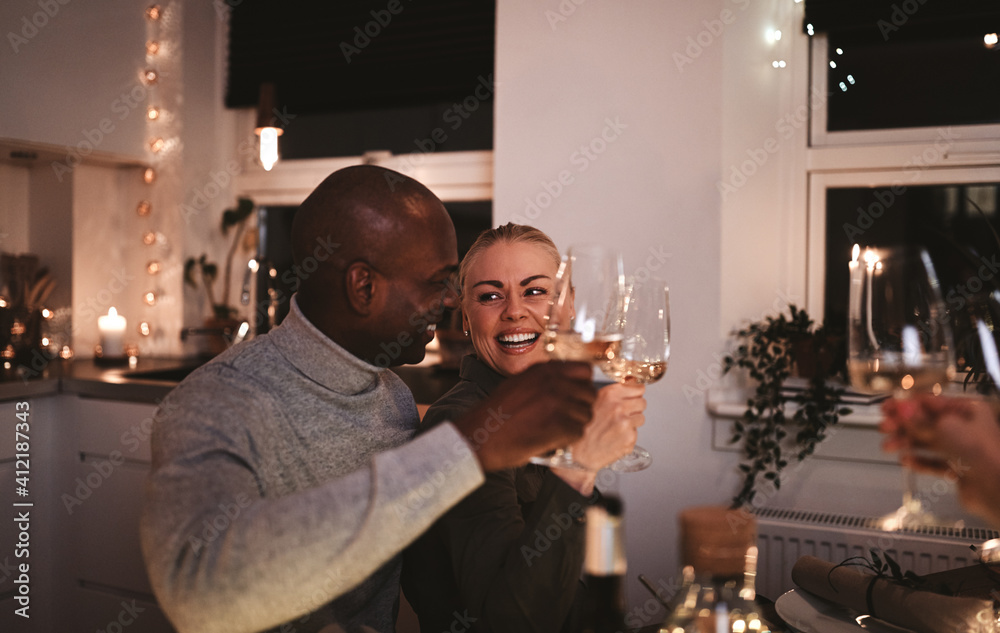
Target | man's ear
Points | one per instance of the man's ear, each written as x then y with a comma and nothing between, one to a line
359,282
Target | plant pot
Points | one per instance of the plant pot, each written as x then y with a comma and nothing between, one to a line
818,355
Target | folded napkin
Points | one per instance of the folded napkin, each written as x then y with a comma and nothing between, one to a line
918,610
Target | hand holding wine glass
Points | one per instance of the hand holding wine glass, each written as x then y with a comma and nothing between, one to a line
899,341
644,351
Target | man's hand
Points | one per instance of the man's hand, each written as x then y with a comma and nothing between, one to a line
541,409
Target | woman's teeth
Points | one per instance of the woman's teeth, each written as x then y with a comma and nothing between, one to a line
517,340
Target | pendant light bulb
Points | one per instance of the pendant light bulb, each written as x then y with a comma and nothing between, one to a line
267,138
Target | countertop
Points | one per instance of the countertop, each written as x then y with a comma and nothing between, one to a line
153,378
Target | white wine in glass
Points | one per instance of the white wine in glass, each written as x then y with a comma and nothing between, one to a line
644,351
899,342
585,320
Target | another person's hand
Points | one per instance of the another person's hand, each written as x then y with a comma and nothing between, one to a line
543,408
958,438
618,413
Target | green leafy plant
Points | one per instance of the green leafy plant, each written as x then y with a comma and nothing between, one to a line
771,435
207,271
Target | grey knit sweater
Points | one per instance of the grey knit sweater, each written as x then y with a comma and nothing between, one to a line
285,482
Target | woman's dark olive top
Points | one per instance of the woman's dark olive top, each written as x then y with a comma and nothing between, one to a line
507,558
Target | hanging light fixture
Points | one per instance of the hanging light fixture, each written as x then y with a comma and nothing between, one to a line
267,132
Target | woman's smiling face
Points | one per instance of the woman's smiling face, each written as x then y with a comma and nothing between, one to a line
505,303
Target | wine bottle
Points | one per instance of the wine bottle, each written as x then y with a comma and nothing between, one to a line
719,555
604,568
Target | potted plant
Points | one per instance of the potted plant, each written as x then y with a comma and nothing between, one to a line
770,351
201,271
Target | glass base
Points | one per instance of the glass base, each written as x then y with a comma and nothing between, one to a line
638,459
559,458
912,515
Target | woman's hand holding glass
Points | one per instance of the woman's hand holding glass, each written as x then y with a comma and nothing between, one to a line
618,413
644,352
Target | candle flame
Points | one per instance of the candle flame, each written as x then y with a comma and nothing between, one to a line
855,252
112,312
872,259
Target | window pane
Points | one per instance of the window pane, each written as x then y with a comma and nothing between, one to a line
922,80
957,224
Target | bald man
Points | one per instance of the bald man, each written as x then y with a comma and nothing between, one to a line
286,477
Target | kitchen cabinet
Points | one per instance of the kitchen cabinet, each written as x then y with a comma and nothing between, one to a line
100,499
87,460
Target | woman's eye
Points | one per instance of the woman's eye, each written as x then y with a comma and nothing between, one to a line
535,292
486,297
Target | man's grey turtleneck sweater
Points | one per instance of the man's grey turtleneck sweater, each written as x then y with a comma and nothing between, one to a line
285,482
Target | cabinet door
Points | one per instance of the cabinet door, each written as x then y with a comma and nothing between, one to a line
102,502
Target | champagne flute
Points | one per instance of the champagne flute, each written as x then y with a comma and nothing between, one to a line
899,341
585,317
645,350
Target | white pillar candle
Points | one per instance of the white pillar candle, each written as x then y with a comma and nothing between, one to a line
112,327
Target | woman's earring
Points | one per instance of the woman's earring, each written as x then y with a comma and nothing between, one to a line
466,332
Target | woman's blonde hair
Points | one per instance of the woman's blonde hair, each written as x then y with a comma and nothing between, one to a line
509,233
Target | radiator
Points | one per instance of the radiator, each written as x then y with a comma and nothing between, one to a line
785,535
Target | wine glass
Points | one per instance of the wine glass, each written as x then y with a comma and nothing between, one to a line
899,341
585,317
645,349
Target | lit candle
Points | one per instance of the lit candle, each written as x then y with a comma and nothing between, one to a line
854,301
871,263
112,327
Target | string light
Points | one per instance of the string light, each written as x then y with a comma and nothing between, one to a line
990,40
158,50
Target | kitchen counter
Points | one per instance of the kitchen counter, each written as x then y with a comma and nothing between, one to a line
153,378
